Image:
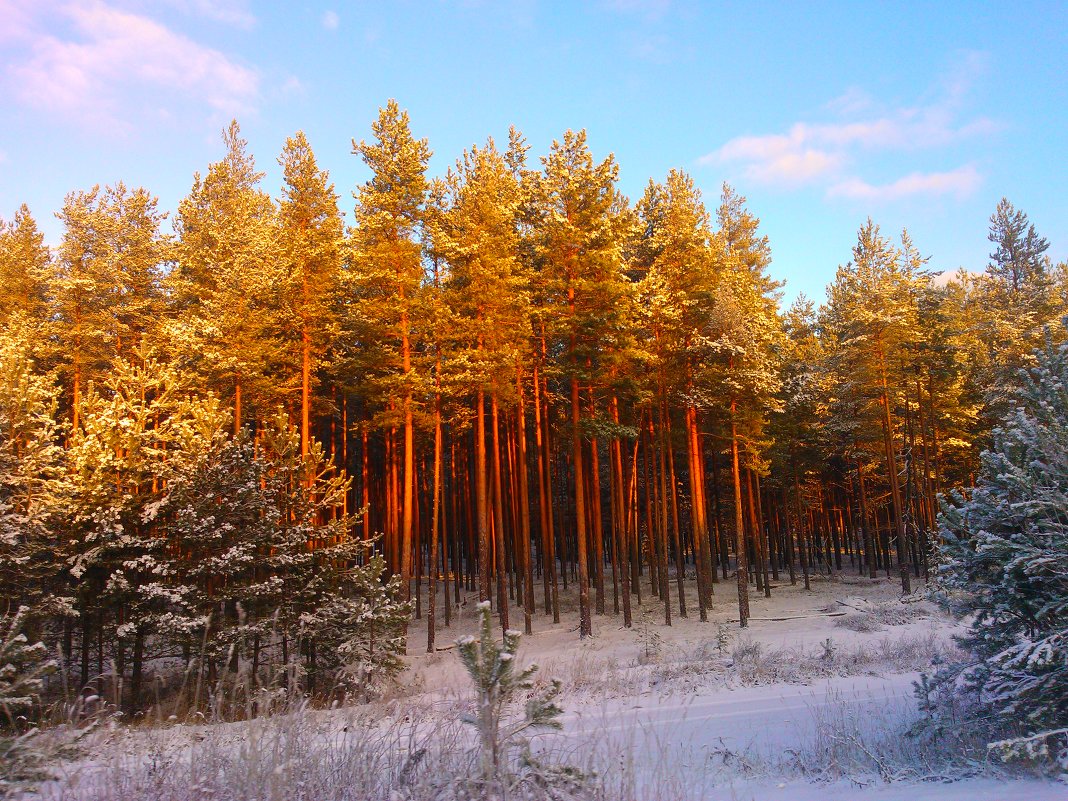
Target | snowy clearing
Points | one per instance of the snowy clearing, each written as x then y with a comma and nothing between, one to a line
800,706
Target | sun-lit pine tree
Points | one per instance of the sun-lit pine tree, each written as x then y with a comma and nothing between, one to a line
487,294
107,294
579,234
32,490
744,336
387,276
676,298
871,316
131,430
798,429
310,240
1014,302
225,284
26,272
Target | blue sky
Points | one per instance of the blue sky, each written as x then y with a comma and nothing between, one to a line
920,115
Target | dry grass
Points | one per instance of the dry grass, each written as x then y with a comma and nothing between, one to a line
868,617
747,662
425,753
753,663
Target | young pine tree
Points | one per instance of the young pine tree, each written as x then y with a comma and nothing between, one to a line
25,269
498,684
107,292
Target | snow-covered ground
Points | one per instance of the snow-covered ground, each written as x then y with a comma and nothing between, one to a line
801,706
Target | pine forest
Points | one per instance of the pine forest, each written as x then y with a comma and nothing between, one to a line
277,442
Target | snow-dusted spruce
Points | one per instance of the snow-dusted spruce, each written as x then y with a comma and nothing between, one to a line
234,553
498,684
1005,567
31,487
23,666
134,433
360,630
259,605
334,607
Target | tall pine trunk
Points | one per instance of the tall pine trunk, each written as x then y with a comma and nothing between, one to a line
481,500
585,621
524,504
498,519
895,490
739,525
432,564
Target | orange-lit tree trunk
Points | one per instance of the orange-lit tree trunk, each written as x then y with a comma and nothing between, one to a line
305,374
365,485
895,488
598,532
622,518
481,501
585,621
498,519
759,540
432,563
541,445
409,460
237,403
702,551
661,513
739,525
631,532
673,495
524,504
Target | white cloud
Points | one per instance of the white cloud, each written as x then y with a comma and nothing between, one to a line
114,51
16,20
292,86
960,182
778,158
851,102
796,168
229,12
331,20
650,9
824,152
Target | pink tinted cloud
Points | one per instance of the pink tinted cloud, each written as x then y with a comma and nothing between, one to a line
114,50
960,182
819,152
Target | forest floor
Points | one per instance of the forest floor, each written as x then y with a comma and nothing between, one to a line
810,703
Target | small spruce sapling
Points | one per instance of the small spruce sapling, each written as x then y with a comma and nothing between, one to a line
498,683
830,650
648,638
723,638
